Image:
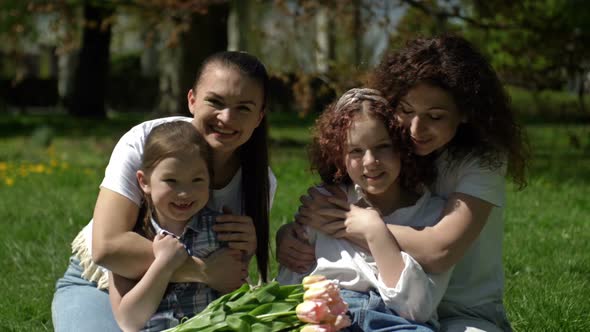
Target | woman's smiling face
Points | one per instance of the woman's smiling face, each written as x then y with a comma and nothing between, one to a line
227,107
432,117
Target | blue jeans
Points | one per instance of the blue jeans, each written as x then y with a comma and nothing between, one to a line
79,306
369,313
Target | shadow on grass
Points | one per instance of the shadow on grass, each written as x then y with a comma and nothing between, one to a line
565,166
67,126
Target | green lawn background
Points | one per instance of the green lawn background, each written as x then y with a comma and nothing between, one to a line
51,166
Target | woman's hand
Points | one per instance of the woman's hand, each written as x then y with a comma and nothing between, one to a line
293,249
169,251
225,270
310,214
238,231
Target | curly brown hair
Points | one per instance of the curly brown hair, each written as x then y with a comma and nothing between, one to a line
329,137
452,63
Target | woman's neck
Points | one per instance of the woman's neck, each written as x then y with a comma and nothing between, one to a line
225,167
393,199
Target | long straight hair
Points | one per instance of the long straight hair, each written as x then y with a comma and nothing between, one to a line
253,154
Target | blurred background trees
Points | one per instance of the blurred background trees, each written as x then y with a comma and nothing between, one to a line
87,57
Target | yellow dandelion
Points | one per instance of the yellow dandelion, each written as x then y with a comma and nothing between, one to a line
65,165
9,182
39,168
51,150
3,166
23,172
88,171
53,163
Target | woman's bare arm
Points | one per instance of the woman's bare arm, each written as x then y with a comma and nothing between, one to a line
441,246
114,244
436,248
116,247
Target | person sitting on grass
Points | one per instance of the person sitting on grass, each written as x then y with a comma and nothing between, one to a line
359,146
446,93
176,220
228,102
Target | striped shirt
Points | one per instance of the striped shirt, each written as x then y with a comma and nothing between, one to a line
187,299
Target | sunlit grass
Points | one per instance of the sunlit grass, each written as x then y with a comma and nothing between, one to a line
47,194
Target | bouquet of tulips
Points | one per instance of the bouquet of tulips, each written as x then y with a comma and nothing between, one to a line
314,305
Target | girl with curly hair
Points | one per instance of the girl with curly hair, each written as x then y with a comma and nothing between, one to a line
448,96
358,145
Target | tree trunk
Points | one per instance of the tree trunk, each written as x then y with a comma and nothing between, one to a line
239,25
207,35
91,75
322,49
581,88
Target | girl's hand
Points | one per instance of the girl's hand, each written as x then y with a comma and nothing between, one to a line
237,231
310,212
169,251
363,222
293,250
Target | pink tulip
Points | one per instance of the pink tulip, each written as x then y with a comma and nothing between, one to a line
326,290
322,305
341,322
338,307
318,328
307,281
313,311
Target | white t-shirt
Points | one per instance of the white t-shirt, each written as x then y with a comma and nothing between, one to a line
120,174
478,277
416,294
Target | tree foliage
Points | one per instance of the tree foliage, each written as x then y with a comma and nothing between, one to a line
536,43
86,25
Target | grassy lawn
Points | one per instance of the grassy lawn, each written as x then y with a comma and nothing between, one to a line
50,169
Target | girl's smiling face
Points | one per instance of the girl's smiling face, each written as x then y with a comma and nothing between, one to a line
432,117
371,160
177,191
227,107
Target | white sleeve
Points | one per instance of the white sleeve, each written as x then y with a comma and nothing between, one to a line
416,294
120,174
482,182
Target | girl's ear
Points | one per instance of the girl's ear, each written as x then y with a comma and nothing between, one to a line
142,179
191,98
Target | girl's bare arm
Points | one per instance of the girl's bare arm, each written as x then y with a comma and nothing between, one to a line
134,303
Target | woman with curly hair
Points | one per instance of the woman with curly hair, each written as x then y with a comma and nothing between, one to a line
448,96
359,147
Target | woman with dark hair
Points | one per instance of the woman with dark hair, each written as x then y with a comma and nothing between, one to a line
228,102
450,99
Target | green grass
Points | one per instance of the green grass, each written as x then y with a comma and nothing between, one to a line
548,105
47,195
